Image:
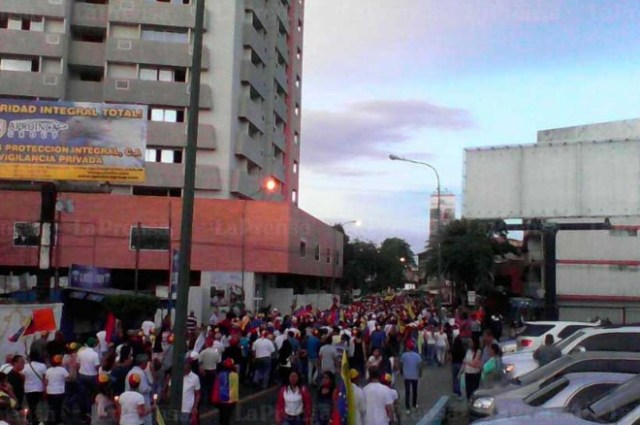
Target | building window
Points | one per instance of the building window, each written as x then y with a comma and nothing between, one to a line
157,191
23,65
295,167
165,35
166,114
299,54
149,238
327,255
166,156
337,258
303,249
299,25
298,82
26,234
34,23
316,252
294,196
178,75
297,110
296,138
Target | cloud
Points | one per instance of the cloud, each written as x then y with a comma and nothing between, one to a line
371,129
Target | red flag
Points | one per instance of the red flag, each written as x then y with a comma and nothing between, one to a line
110,326
43,320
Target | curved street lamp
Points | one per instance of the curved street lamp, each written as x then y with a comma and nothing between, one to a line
439,221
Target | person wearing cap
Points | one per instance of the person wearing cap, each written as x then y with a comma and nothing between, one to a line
358,397
225,393
34,384
103,409
54,382
263,349
89,361
132,408
144,387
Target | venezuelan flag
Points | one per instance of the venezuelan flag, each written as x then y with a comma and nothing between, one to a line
345,405
225,389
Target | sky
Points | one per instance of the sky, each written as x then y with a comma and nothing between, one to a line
425,79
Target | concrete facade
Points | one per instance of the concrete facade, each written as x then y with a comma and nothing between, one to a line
140,51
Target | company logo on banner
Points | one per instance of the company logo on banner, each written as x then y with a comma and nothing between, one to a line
89,277
41,140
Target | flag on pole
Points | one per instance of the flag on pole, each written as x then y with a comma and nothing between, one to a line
344,414
159,417
17,334
40,320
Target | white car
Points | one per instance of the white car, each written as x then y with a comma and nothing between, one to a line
610,338
534,333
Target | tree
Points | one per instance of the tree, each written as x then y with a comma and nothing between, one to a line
373,268
468,251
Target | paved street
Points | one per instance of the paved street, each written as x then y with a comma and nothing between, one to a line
259,408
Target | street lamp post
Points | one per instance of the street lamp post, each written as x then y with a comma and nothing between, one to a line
439,221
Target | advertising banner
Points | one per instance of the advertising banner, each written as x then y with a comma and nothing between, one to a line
89,277
226,289
42,140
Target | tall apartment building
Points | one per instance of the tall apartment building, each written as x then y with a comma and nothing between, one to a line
447,210
140,51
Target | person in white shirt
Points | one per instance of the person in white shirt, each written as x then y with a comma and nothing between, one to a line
54,382
89,361
442,345
132,409
208,360
144,387
34,373
280,340
379,400
148,327
190,395
103,344
263,348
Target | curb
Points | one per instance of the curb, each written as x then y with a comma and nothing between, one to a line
437,413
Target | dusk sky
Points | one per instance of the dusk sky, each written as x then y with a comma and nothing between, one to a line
425,79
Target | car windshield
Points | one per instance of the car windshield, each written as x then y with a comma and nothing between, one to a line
545,371
562,345
534,330
615,404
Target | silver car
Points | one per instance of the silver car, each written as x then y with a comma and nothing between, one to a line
610,338
483,401
571,391
620,406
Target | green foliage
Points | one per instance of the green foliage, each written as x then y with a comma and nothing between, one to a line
372,268
468,251
131,306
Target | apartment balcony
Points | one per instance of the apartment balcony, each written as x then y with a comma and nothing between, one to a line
252,111
281,77
90,15
84,91
152,13
163,175
282,47
258,7
255,76
32,43
279,138
250,147
153,93
83,53
254,39
278,170
280,108
152,52
33,8
34,84
174,135
244,184
282,12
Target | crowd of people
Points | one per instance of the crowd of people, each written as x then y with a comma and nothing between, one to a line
312,355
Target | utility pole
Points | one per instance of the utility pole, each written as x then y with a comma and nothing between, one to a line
186,227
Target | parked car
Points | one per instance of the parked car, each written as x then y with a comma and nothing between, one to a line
483,402
534,333
567,391
610,338
620,406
